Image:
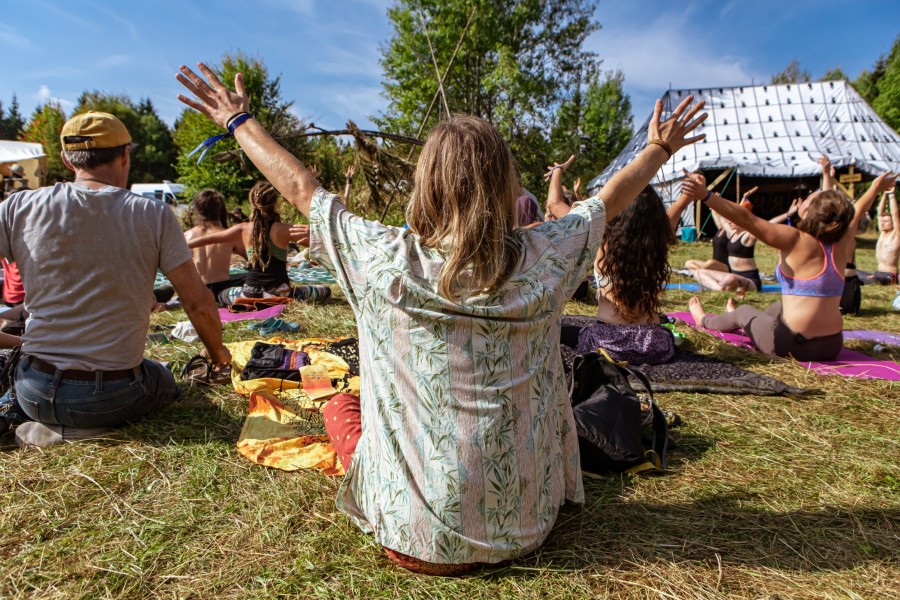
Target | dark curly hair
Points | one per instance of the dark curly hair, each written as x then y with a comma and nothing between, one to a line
634,256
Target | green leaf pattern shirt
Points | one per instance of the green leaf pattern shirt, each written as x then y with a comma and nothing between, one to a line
468,443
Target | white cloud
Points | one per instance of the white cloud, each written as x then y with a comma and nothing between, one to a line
10,37
43,96
669,51
652,57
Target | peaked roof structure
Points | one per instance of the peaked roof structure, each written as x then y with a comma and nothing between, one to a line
777,131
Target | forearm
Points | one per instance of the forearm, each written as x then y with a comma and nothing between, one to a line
347,186
555,202
678,207
205,318
280,167
862,206
625,185
895,213
733,212
9,341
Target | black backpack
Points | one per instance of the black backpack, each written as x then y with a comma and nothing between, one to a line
616,432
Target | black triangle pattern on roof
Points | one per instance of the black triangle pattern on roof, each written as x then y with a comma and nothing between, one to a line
849,131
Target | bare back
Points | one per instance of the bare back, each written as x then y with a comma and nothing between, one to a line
212,261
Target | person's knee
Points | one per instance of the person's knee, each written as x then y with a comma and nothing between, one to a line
158,383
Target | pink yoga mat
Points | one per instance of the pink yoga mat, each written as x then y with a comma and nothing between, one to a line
228,317
849,363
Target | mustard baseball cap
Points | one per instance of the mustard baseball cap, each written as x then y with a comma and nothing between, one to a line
93,130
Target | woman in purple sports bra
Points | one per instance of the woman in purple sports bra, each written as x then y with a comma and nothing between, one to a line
807,324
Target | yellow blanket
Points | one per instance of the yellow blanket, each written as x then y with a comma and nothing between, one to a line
276,432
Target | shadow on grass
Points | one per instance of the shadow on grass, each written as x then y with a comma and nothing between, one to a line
613,532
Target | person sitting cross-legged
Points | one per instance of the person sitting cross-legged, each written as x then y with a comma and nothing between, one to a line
88,253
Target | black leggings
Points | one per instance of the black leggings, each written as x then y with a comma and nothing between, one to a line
773,337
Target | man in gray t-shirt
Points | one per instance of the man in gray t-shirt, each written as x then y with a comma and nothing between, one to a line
88,253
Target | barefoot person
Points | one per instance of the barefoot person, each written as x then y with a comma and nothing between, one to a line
461,447
807,324
266,239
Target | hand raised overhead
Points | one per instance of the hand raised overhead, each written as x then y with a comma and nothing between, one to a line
674,130
559,167
213,99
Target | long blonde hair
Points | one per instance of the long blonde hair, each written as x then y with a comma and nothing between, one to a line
463,199
264,211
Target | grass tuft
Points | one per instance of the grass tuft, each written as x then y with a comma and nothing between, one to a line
769,497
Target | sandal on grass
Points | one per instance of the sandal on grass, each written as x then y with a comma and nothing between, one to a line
199,370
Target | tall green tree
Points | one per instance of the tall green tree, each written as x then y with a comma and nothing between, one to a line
594,125
44,127
225,168
792,74
12,124
887,100
518,60
835,74
153,154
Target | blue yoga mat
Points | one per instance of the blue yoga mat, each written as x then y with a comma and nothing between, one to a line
695,287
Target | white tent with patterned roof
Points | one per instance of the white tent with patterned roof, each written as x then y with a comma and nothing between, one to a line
771,132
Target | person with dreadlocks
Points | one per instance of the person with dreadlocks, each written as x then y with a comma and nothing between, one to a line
266,239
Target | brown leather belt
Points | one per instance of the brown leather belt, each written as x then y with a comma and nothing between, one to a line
44,367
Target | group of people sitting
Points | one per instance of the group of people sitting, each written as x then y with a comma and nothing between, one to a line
462,445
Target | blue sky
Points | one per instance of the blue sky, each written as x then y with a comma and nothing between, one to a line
327,51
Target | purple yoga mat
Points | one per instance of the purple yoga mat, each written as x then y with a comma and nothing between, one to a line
879,337
228,317
849,363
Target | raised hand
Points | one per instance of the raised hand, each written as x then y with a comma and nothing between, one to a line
751,191
559,167
885,182
213,99
795,207
351,171
694,187
576,188
674,130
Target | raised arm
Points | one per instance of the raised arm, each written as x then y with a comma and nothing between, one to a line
675,209
665,138
883,183
827,173
283,169
555,202
348,182
232,236
791,211
895,213
781,237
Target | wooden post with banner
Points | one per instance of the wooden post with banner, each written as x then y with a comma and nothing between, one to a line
851,177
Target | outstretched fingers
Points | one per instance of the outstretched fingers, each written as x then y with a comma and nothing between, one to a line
682,107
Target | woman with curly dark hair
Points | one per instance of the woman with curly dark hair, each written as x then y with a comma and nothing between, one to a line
631,270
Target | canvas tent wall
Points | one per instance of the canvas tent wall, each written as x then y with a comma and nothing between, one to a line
30,156
773,136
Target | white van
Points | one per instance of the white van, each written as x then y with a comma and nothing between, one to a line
168,192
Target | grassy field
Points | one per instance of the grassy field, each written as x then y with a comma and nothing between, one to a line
768,497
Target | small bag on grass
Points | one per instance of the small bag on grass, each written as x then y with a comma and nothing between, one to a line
274,361
616,432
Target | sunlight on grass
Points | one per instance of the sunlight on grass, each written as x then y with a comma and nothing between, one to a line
768,497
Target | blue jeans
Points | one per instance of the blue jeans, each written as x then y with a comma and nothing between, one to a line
53,400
